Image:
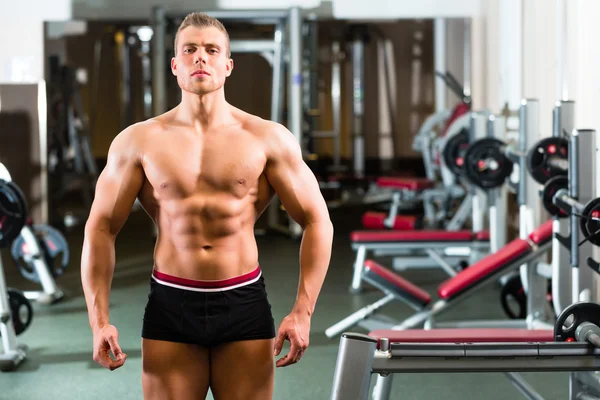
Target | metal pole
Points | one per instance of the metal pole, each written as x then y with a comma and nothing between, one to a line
478,130
159,59
562,296
467,57
295,73
497,197
582,187
358,105
439,60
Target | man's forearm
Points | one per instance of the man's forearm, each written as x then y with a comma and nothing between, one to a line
97,268
315,255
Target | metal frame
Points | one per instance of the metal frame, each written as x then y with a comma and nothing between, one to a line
359,358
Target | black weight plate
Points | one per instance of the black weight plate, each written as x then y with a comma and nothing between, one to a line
13,212
513,292
454,151
21,310
539,155
486,166
573,316
53,246
590,227
552,186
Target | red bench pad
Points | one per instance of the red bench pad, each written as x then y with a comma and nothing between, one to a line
405,183
382,277
468,335
375,220
390,236
483,236
542,234
483,268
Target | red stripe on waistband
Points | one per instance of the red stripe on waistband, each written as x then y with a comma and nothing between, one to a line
214,284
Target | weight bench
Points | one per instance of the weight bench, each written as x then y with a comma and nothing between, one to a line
409,190
424,243
454,289
386,352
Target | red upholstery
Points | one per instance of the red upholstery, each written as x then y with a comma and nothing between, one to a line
390,236
483,268
374,220
542,234
485,235
398,282
468,335
405,183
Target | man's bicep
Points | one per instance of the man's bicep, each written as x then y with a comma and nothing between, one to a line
116,190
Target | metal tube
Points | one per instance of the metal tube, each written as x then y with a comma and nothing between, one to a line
573,192
276,45
336,104
295,73
439,59
467,57
258,17
159,72
352,376
358,104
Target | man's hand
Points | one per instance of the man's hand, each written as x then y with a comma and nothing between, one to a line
105,341
295,328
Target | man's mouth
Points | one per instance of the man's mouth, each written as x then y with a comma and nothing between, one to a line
200,73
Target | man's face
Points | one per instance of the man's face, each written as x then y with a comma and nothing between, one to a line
201,64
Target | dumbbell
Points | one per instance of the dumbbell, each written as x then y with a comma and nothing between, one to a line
559,204
489,162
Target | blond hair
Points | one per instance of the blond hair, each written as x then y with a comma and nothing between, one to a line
202,20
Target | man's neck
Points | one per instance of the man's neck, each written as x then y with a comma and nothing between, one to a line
204,111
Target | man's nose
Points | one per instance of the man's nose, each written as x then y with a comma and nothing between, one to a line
199,57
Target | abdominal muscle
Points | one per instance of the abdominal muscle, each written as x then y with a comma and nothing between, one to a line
206,237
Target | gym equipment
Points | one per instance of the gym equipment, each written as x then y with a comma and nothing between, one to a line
513,292
579,322
454,152
551,188
451,291
71,165
55,252
547,158
20,309
13,212
488,162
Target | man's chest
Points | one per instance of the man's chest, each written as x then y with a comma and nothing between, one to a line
231,163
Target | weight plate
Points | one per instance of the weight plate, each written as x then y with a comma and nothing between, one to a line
486,166
590,227
53,246
573,316
13,212
539,158
513,293
20,309
552,186
454,151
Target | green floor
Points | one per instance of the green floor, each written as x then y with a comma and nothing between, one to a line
60,366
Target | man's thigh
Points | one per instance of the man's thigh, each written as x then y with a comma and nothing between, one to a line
174,370
243,370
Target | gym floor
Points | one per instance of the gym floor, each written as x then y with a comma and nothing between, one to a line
60,365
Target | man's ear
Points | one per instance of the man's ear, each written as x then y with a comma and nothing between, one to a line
229,66
173,66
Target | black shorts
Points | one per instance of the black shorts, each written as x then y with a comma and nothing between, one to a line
208,313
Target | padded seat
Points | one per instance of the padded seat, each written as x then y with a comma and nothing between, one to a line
543,233
375,220
387,281
390,236
468,335
484,236
414,184
483,268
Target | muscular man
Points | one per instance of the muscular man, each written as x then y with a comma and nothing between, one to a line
204,172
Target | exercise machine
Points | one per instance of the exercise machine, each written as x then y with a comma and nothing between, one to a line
16,312
576,323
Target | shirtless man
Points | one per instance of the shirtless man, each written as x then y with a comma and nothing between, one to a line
204,172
